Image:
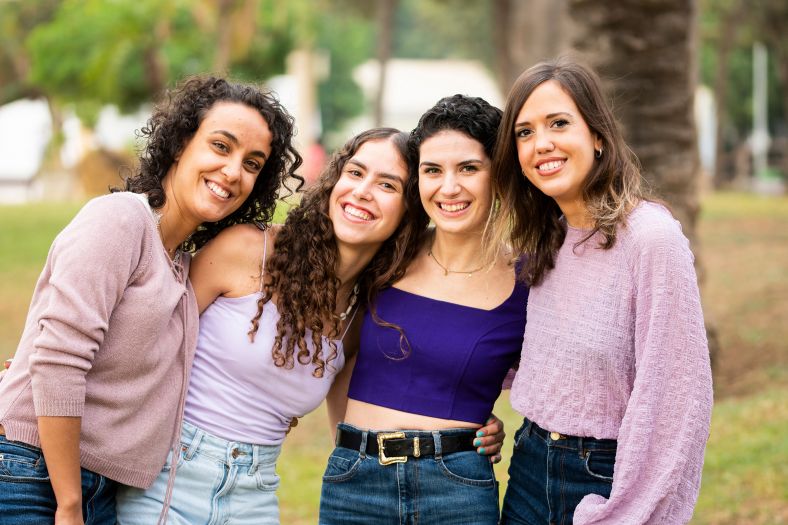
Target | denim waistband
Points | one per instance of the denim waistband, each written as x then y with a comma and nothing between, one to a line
557,439
194,440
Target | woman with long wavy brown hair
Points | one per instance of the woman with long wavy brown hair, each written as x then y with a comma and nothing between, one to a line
614,383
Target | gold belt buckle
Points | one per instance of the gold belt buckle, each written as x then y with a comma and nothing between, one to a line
382,458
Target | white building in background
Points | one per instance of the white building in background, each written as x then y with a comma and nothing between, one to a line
413,86
25,131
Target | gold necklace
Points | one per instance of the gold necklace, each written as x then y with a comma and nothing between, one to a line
446,271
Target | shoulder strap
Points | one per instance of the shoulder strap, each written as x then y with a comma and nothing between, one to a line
262,263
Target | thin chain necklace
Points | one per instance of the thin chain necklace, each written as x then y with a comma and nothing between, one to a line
351,302
447,271
173,254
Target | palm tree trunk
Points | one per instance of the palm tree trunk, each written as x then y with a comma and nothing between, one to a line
647,51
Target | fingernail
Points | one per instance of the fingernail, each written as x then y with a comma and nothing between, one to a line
477,442
480,433
481,450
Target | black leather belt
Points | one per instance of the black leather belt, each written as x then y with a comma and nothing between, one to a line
395,447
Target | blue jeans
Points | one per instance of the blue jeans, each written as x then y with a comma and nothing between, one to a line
27,498
216,481
550,474
458,488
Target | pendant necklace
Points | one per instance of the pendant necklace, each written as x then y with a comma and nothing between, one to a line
447,271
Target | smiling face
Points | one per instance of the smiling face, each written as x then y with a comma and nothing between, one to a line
218,167
555,146
367,202
454,182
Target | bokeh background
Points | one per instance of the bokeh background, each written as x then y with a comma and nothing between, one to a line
700,86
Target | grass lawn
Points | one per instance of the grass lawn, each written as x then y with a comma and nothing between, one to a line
744,243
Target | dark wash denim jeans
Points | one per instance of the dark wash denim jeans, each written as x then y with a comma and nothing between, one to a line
26,496
456,489
548,477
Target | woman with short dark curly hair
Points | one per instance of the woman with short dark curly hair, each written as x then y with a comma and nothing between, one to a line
97,389
434,351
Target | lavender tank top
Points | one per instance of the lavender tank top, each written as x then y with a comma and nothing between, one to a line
236,392
458,360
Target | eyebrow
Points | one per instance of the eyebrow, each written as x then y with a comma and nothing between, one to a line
232,138
462,163
389,176
548,116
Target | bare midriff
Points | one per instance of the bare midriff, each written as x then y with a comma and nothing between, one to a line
373,417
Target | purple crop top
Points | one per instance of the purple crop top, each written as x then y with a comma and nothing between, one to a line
459,355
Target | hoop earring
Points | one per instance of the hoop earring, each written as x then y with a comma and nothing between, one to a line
598,153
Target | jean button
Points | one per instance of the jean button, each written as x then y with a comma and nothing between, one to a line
555,436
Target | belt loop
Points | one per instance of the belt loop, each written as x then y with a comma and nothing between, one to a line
580,451
436,439
255,460
363,448
194,444
528,426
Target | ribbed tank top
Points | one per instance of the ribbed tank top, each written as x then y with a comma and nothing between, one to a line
458,360
236,392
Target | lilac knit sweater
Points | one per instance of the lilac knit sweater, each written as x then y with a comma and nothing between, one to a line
615,348
110,338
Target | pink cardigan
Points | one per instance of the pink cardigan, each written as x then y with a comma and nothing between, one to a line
110,338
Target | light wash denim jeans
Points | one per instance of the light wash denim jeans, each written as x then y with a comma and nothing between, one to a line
457,489
27,498
217,481
548,477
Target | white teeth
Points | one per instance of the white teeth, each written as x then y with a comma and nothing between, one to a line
355,212
553,164
454,207
215,188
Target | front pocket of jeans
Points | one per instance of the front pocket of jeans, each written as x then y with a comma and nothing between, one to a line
600,464
267,479
468,468
21,464
342,465
518,436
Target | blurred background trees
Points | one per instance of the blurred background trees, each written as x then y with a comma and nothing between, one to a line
680,75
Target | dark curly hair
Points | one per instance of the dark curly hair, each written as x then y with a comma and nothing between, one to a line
302,270
531,220
175,121
472,116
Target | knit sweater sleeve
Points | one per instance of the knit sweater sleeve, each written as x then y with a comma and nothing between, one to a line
664,430
90,265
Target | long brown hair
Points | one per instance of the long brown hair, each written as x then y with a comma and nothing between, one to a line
531,220
302,270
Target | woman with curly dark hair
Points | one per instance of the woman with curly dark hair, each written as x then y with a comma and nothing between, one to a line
96,393
435,350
